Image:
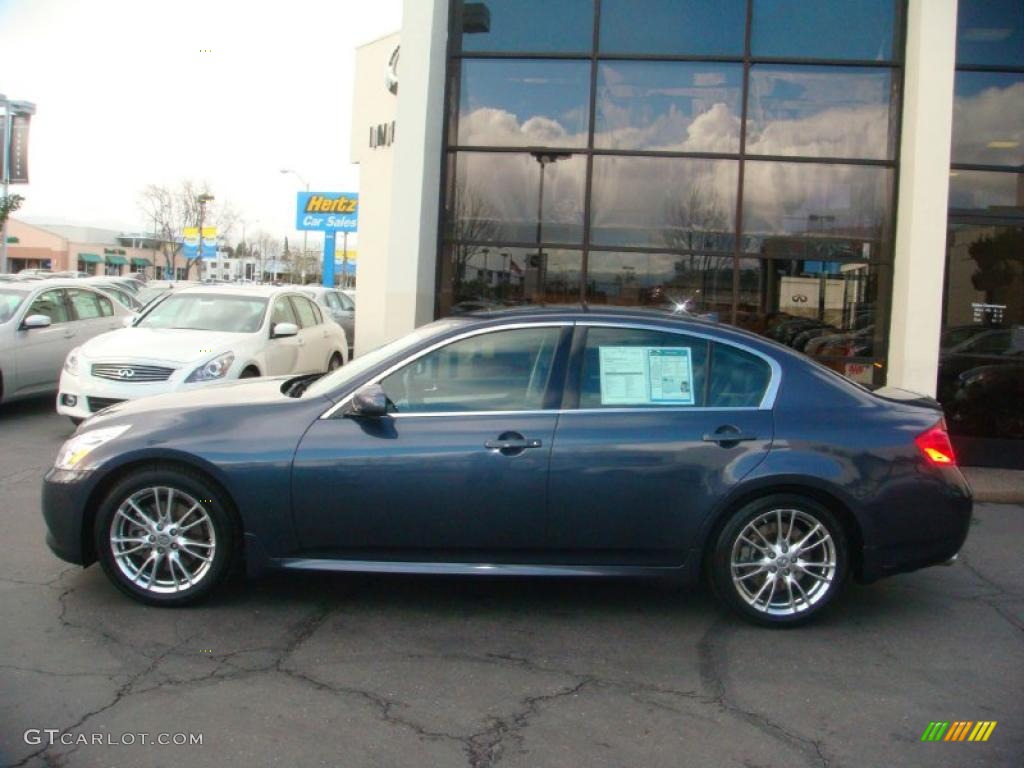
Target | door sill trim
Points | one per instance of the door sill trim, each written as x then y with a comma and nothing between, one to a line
470,569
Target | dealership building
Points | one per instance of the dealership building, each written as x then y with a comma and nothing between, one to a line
845,177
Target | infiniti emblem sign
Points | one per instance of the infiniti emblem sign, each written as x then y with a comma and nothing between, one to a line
126,373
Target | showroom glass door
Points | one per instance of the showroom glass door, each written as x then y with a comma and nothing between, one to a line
981,351
981,355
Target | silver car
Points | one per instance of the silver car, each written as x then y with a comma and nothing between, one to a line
339,306
40,322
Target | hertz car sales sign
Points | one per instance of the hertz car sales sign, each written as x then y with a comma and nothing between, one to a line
327,211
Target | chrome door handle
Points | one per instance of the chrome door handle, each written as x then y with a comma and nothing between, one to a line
518,444
724,438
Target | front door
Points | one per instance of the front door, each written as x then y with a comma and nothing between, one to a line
666,424
41,351
460,466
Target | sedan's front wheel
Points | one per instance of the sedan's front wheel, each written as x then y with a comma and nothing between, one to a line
165,537
780,560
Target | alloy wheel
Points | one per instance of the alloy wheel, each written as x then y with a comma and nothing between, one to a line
783,562
163,540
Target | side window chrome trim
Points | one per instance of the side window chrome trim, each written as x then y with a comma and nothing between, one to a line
444,343
767,400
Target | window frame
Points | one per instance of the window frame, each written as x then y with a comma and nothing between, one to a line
296,300
96,296
64,300
271,306
562,395
553,395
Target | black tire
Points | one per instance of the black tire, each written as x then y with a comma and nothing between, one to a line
334,363
76,420
815,587
189,487
249,373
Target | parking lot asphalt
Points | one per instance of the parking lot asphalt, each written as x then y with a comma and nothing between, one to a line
402,671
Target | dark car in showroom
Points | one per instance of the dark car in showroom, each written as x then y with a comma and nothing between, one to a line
541,442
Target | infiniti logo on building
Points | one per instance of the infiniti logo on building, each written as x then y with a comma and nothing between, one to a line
126,373
391,72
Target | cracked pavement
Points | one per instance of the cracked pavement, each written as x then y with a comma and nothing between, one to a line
391,671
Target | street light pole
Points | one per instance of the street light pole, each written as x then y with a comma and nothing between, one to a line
203,199
545,158
305,234
11,108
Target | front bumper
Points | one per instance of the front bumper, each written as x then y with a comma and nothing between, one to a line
83,395
65,499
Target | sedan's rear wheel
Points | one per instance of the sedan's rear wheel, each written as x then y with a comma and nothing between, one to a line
335,362
165,537
780,560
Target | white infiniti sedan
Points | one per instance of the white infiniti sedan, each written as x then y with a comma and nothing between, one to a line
197,336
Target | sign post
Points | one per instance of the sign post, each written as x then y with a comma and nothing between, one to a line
330,213
328,276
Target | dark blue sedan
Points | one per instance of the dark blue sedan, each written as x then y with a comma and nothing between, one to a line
543,442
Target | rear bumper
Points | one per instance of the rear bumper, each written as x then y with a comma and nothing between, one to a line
929,530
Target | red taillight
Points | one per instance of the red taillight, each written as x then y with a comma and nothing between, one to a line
935,446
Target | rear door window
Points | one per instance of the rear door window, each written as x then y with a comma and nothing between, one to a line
739,379
639,368
89,305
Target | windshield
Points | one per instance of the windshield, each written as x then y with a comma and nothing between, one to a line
207,312
9,303
365,362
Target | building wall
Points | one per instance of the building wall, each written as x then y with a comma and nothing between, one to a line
42,244
373,132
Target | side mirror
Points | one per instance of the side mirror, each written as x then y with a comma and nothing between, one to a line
36,321
370,401
284,329
129,321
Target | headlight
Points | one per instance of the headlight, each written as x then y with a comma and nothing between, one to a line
71,362
80,446
214,369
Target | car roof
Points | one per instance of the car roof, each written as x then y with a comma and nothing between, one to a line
49,284
612,314
262,291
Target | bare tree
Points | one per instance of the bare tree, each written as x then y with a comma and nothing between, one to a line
696,223
475,220
171,209
265,248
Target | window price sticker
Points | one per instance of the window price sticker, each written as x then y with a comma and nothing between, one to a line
646,376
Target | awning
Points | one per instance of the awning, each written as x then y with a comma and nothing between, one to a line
90,258
138,262
116,260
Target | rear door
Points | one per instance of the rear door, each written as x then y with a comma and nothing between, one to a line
92,312
663,425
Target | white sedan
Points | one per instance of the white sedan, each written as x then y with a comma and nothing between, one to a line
197,336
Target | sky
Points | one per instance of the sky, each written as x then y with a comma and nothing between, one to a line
226,92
